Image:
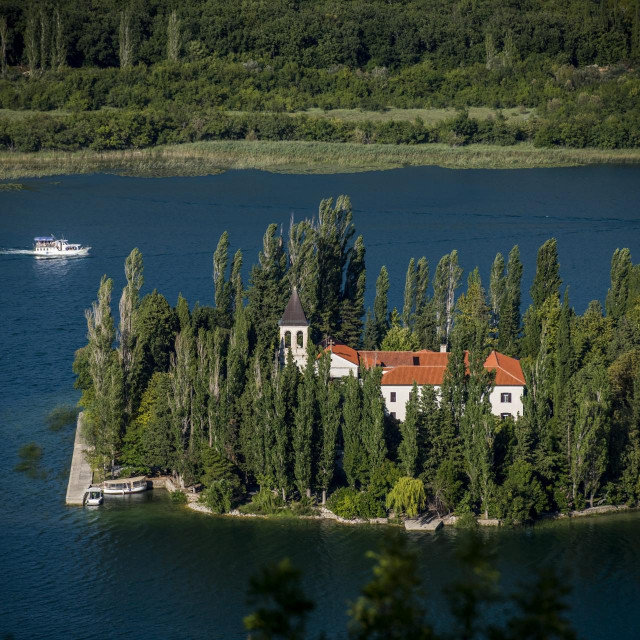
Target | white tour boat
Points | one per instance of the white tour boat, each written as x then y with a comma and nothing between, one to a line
94,496
122,486
52,247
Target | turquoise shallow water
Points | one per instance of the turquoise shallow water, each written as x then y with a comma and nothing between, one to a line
142,566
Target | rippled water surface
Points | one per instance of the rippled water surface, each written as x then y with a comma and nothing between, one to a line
142,567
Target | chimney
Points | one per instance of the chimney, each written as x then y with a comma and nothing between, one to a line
443,348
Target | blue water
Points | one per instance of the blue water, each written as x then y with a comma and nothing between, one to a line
145,567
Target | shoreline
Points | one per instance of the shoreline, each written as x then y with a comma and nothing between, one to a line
210,158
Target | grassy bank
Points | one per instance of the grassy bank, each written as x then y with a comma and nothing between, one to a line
202,158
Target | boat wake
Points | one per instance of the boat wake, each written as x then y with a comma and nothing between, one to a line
17,252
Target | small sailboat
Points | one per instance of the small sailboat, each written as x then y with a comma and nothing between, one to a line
52,247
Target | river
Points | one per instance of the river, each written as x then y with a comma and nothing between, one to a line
144,567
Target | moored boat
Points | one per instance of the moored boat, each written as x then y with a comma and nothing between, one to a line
122,486
52,247
93,496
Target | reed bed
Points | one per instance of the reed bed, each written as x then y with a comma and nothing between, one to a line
203,158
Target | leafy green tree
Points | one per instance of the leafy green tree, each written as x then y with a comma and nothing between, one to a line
328,399
521,498
473,317
389,606
497,289
282,607
407,496
398,338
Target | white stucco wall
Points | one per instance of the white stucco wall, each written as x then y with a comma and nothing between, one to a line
497,406
341,367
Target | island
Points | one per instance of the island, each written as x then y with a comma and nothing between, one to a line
285,397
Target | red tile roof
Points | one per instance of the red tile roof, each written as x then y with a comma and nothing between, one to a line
344,352
433,364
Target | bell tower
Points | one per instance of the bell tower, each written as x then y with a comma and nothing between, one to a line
294,331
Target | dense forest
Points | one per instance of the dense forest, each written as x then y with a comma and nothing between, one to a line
198,392
170,71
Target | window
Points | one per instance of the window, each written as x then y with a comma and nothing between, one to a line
416,361
287,339
393,415
300,339
505,397
393,397
504,416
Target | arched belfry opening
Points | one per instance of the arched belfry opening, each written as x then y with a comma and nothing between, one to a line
294,331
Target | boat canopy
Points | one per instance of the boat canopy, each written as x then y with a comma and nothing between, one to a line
44,239
123,481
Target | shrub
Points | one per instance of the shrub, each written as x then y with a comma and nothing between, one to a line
349,504
218,496
178,497
265,502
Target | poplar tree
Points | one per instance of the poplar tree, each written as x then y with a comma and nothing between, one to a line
352,304
547,279
408,449
237,288
303,267
44,39
306,418
31,43
125,44
104,403
4,34
445,283
473,317
497,289
509,314
354,458
223,289
373,410
410,285
564,356
380,306
328,398
268,289
616,304
173,37
59,44
478,429
236,376
127,334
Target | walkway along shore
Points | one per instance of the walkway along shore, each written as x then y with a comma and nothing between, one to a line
80,475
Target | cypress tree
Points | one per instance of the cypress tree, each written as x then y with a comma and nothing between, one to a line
410,285
173,37
237,288
473,313
616,304
380,306
509,315
369,339
408,449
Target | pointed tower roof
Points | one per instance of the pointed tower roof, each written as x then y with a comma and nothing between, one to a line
293,315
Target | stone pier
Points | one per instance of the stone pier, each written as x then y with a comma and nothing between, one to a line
80,475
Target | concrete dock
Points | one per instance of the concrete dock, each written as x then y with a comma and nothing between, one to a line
423,523
80,475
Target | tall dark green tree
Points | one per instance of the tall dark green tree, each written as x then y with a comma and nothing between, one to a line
618,295
354,458
223,288
509,314
373,419
380,306
306,421
352,304
410,285
408,450
445,282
